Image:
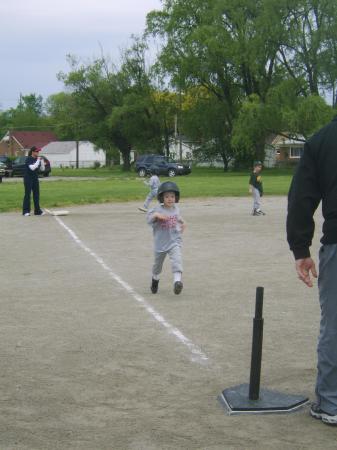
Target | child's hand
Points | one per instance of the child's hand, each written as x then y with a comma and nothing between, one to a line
182,227
250,190
159,216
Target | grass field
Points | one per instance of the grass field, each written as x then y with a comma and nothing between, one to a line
109,185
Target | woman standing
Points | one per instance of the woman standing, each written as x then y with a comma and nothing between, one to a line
31,181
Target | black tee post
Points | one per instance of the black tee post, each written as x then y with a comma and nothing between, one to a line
249,398
255,366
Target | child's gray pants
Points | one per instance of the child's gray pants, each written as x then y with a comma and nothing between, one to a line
150,197
256,198
326,384
175,258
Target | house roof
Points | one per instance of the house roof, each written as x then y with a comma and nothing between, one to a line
280,140
62,147
58,148
26,139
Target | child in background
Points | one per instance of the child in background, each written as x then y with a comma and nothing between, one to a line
256,188
167,225
153,182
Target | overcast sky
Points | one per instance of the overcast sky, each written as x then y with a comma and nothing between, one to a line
36,36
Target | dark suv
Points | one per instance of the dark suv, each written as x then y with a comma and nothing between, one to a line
7,165
19,167
160,165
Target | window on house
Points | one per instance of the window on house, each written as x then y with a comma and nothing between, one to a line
296,152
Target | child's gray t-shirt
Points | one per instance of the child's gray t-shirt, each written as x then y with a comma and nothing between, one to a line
166,234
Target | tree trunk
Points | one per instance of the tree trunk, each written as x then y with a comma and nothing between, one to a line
126,159
167,142
260,152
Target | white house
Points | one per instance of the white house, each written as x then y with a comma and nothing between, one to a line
283,151
64,154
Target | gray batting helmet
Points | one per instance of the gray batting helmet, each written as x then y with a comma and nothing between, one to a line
168,186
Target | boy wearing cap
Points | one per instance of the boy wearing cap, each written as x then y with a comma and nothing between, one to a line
256,188
31,182
167,225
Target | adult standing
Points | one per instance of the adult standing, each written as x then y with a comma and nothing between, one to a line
31,181
315,180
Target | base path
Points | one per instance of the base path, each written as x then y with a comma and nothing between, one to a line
91,360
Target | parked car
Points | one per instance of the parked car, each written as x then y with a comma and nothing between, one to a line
2,171
7,163
19,167
162,166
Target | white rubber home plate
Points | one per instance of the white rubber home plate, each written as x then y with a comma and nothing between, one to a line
58,212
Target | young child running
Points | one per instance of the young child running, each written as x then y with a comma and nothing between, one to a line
256,188
168,226
154,183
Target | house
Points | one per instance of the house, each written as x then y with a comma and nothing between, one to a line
18,143
181,149
283,150
65,154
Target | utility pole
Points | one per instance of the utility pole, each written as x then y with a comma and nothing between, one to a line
180,137
77,154
176,134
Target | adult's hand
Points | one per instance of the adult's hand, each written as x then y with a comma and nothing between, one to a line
304,267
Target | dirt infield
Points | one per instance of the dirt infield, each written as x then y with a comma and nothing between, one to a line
91,360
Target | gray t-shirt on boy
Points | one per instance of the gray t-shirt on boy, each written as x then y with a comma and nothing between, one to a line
166,233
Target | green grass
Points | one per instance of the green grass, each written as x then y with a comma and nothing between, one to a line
103,172
117,185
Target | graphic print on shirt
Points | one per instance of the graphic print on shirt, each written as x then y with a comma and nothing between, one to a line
170,222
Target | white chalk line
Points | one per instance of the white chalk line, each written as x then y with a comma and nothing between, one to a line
197,356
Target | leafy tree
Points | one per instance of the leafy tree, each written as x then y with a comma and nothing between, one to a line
60,109
221,47
283,113
27,115
30,103
96,89
165,106
309,42
117,108
241,51
204,120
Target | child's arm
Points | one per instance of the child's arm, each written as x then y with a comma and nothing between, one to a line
158,216
182,223
153,216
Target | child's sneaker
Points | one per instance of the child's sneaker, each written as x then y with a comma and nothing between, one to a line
178,287
325,417
26,214
154,286
142,209
258,212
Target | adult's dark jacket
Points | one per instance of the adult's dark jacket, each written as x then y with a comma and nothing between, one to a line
28,173
315,179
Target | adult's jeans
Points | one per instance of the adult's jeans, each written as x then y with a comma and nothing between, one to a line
31,185
326,384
